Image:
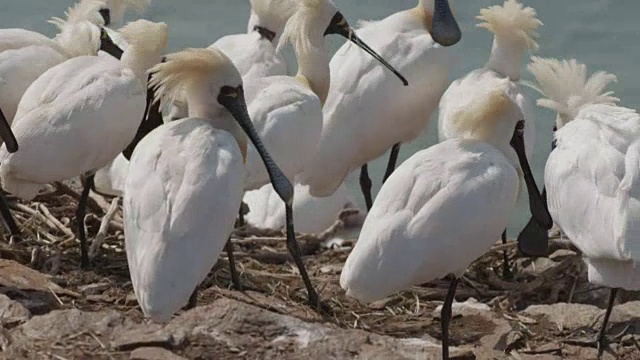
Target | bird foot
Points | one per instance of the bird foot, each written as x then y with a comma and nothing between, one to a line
602,344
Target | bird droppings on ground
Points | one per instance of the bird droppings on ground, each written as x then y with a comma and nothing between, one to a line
51,309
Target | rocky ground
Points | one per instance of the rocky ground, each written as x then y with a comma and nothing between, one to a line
52,310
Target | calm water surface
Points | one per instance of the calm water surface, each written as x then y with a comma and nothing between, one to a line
599,33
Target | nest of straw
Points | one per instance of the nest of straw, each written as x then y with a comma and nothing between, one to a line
49,245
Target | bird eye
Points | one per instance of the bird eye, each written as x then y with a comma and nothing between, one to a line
230,91
338,25
520,125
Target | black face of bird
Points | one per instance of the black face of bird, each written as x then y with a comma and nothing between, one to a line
537,204
106,15
232,98
265,33
7,135
107,45
151,119
340,26
444,29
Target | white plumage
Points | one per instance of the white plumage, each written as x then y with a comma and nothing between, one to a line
22,62
185,185
368,109
80,114
514,27
443,207
593,175
253,55
288,117
180,202
313,215
287,111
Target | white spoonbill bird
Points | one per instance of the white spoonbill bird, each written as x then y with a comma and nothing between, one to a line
514,27
186,181
254,53
20,67
286,110
367,110
592,177
79,115
444,206
313,215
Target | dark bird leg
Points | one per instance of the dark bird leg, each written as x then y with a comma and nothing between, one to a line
7,218
87,183
193,300
365,185
506,267
240,218
601,342
445,317
294,250
235,278
393,158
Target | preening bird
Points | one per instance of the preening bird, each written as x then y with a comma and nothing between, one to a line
368,110
185,182
21,66
287,111
592,176
445,206
514,27
78,115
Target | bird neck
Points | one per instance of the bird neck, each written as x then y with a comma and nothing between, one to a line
506,58
219,118
313,69
427,6
139,61
424,12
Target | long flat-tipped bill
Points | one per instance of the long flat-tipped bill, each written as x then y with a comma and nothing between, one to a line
537,204
356,40
533,240
238,109
444,30
7,135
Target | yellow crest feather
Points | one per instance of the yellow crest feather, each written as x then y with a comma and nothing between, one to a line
513,20
146,35
85,10
566,87
184,69
484,110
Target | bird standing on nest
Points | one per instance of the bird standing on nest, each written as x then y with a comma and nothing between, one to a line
592,177
445,206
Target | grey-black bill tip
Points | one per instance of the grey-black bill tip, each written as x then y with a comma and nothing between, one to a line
445,29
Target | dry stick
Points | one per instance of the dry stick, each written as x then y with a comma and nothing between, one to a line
101,201
38,215
58,224
104,227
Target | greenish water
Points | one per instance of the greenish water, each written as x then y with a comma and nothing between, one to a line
599,33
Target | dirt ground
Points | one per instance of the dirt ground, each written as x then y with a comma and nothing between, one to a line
272,283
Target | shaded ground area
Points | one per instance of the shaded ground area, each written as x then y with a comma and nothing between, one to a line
52,310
